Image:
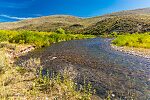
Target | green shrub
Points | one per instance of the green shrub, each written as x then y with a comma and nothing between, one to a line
60,31
40,39
133,40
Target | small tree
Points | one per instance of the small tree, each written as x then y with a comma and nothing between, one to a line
114,34
60,31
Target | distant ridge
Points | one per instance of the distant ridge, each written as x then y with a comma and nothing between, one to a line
137,20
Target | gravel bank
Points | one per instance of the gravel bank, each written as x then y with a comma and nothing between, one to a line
134,51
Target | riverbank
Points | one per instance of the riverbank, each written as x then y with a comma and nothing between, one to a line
17,82
133,44
142,52
13,51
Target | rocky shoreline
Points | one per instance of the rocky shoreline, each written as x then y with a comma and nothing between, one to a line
141,52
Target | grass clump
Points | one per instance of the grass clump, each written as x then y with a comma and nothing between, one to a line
40,39
133,40
60,87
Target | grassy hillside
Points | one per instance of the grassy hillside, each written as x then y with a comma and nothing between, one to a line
46,23
125,21
132,12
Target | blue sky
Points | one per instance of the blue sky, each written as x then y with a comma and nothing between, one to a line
13,10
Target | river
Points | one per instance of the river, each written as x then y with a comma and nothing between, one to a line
127,76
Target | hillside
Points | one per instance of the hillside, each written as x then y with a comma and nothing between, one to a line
125,21
42,23
131,12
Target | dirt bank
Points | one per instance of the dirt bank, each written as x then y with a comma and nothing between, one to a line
15,50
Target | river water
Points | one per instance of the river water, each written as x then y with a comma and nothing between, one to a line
126,76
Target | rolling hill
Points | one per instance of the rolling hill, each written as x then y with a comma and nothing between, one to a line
125,21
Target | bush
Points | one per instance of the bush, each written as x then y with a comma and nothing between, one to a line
133,40
40,39
60,31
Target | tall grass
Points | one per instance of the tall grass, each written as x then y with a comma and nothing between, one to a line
133,40
40,39
2,60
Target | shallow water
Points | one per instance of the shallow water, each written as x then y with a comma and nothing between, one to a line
93,59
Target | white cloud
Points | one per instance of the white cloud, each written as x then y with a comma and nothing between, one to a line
12,17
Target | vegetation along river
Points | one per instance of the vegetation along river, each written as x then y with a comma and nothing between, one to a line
109,71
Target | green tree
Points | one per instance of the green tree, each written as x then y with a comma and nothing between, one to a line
60,31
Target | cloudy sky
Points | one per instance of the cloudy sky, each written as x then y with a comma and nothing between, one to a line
13,10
